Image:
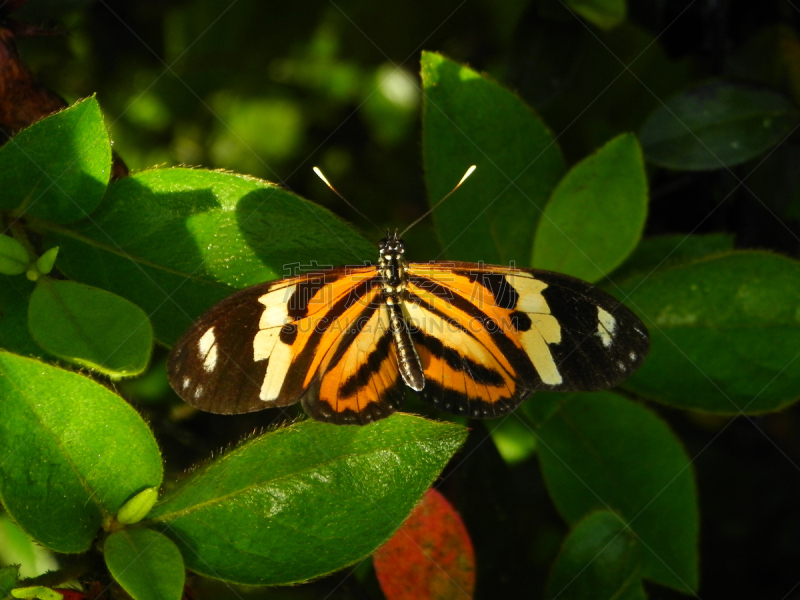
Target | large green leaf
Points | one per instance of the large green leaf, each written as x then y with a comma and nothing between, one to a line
58,168
305,500
601,558
602,452
725,333
716,125
468,119
666,251
175,241
71,453
146,564
90,327
596,214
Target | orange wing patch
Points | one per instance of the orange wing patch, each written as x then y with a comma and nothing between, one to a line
358,379
487,333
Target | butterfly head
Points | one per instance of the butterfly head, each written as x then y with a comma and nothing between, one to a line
392,245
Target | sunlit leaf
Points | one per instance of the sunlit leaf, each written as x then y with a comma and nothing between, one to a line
146,564
90,327
58,168
468,119
305,500
65,464
596,214
176,241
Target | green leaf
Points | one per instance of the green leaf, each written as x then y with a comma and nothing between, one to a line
716,125
596,214
146,564
58,168
15,293
175,241
47,260
304,500
17,548
14,258
666,251
90,327
9,576
725,333
136,509
37,592
513,437
606,14
468,119
90,449
601,558
603,452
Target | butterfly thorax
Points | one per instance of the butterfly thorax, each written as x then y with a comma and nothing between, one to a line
392,265
393,271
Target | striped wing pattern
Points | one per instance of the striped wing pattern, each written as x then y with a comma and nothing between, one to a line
490,336
487,337
320,338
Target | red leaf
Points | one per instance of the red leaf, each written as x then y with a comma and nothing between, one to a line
68,594
430,557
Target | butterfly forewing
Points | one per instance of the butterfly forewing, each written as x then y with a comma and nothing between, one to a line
602,341
213,366
319,337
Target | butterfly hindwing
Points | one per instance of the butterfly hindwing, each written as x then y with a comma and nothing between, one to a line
358,380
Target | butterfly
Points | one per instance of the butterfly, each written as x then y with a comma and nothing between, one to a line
471,339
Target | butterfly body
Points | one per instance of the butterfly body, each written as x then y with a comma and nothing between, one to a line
393,270
470,338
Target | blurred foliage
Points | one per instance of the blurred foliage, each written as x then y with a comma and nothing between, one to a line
270,89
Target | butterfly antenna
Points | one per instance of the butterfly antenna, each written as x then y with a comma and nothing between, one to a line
346,201
447,195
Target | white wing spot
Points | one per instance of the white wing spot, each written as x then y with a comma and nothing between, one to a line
276,308
207,347
632,355
545,328
186,382
606,326
198,391
210,363
620,365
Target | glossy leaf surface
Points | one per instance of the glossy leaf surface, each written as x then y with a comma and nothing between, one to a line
69,427
305,500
